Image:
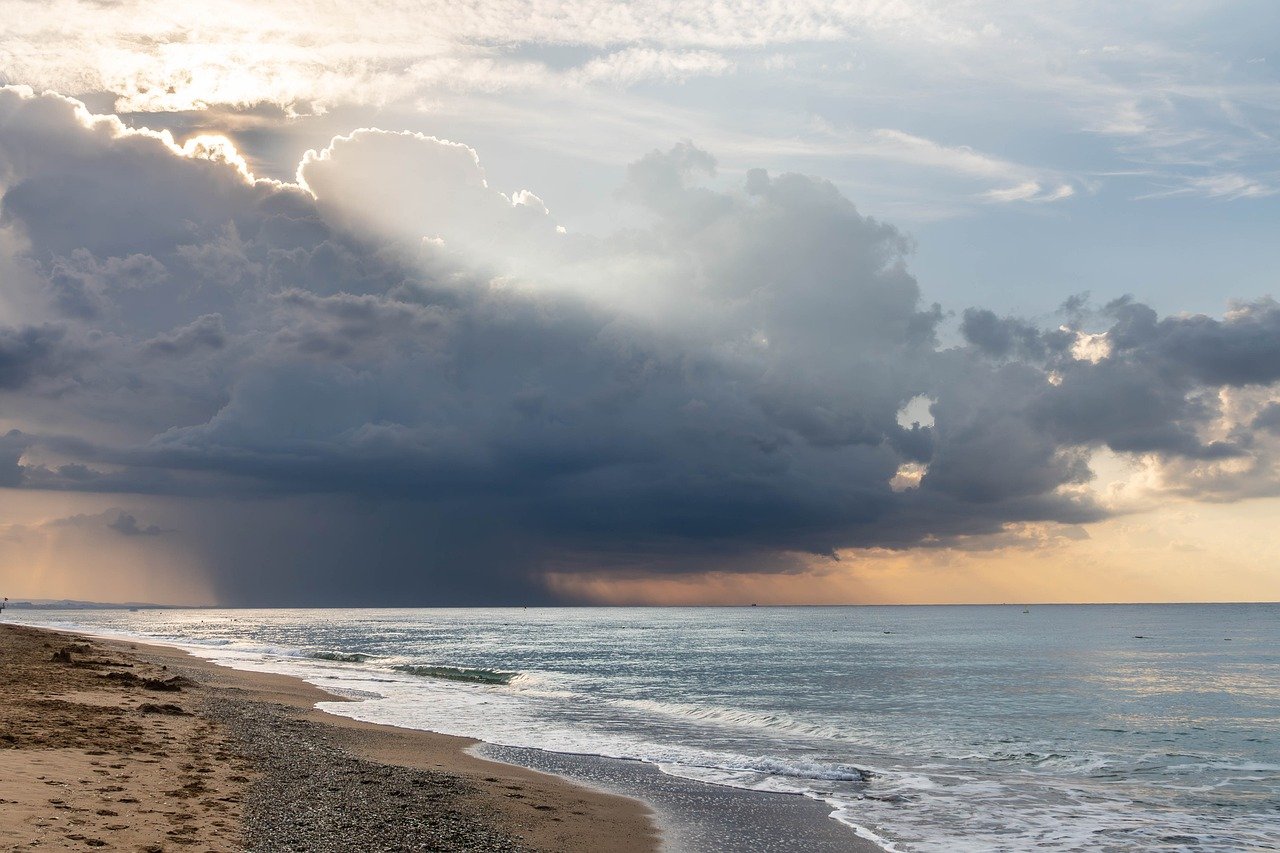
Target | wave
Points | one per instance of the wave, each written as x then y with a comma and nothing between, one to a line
738,717
339,657
725,771
458,673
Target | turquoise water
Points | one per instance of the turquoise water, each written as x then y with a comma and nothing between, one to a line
930,728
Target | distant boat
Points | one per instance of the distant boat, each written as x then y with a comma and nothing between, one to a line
1026,610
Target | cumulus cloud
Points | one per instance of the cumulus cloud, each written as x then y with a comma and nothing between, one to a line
364,182
392,380
1144,384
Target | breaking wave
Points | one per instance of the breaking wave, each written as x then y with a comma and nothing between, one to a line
340,657
458,673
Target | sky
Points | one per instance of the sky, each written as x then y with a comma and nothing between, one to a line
520,302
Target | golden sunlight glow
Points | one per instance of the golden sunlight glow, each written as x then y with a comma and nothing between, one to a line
212,147
908,476
58,545
1091,348
218,149
1188,552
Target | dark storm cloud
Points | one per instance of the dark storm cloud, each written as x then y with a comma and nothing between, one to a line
1155,389
1001,337
412,387
1242,349
1268,418
29,352
12,445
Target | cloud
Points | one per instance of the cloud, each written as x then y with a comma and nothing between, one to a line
1143,385
1268,418
1030,191
205,332
79,283
1227,186
29,352
392,380
636,63
154,57
120,522
126,524
999,337
360,182
12,445
1167,105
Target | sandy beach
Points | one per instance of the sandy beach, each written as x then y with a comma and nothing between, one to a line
123,746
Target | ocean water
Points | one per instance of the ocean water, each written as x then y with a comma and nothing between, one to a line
1065,728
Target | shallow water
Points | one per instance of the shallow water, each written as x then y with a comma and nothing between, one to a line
1093,728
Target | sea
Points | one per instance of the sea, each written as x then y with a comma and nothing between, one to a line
965,728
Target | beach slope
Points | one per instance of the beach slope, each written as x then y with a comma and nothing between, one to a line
120,746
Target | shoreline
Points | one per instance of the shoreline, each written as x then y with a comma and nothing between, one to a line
259,767
701,817
527,799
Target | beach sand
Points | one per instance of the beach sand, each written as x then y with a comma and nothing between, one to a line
119,746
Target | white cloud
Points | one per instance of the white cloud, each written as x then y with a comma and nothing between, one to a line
1030,191
945,82
1227,186
162,56
636,64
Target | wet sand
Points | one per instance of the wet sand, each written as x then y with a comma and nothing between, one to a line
120,746
697,817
